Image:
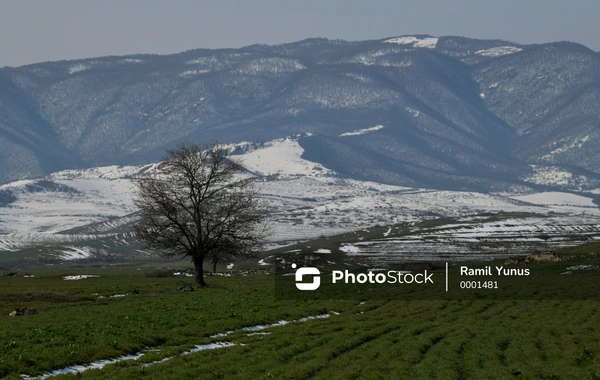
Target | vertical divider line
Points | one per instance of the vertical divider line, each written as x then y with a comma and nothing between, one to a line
446,276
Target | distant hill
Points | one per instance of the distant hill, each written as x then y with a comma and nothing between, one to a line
448,112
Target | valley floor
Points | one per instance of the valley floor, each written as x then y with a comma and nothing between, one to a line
124,323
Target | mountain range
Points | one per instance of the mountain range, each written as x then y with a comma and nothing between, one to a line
446,113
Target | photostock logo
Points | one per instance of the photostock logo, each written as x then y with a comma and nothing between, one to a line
316,281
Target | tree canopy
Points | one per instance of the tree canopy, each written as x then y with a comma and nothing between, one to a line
199,203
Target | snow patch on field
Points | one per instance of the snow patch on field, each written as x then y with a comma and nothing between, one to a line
79,277
349,248
184,274
498,51
262,262
115,296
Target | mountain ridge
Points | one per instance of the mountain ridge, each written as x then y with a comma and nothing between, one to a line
480,111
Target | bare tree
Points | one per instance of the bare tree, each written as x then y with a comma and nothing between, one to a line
198,204
219,257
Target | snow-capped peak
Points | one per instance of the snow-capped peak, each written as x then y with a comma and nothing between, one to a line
428,42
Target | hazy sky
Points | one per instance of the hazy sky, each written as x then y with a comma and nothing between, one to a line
36,31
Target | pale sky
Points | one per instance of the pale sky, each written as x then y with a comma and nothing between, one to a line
42,30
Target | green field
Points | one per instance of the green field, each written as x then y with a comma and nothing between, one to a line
79,323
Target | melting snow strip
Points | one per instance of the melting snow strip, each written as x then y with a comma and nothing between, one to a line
80,368
210,346
183,274
198,348
582,267
102,363
79,277
114,296
158,361
202,347
266,326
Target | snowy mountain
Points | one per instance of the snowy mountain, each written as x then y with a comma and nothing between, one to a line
83,214
448,113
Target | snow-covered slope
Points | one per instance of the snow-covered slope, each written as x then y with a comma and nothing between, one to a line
282,157
427,42
554,198
474,238
498,51
305,200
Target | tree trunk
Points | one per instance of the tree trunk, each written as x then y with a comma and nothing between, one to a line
199,273
214,267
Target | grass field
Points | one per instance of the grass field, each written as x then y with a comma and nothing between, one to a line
78,323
